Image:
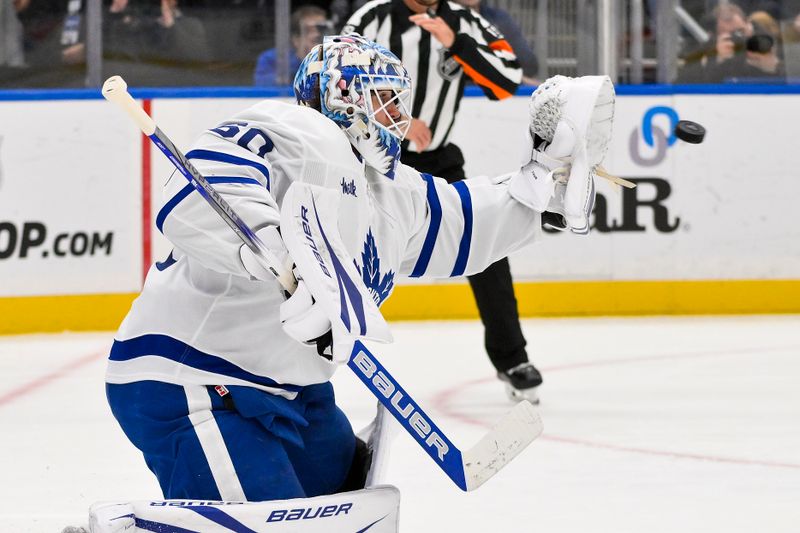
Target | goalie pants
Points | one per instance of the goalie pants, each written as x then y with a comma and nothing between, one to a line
256,447
493,288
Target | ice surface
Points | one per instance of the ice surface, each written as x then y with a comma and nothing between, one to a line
651,425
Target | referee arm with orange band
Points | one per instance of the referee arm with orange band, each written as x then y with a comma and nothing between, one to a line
485,56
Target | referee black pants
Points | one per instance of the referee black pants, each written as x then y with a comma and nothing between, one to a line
493,288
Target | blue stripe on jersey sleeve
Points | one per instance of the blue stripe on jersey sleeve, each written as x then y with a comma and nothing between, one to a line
169,206
175,350
433,230
183,193
222,157
166,263
466,237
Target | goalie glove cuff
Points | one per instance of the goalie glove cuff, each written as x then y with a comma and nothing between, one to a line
535,183
304,320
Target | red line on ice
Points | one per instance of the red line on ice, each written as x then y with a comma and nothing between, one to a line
442,400
35,384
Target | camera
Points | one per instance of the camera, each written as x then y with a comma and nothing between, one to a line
760,42
739,39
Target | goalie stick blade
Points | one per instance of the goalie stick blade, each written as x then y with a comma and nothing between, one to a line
512,434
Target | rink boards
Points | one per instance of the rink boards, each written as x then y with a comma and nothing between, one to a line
709,229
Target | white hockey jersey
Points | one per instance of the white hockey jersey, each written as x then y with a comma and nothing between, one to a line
202,320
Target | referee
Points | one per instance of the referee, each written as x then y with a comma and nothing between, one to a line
441,44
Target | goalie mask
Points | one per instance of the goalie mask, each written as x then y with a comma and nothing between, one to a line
365,90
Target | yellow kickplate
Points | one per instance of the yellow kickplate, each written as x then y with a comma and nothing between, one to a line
603,298
45,314
443,301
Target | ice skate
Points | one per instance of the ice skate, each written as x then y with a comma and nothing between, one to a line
522,382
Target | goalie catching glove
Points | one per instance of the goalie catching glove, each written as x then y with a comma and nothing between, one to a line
570,129
302,318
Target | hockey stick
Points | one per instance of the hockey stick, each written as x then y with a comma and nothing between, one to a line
563,173
116,90
468,470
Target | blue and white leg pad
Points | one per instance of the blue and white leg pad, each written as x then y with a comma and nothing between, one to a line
375,509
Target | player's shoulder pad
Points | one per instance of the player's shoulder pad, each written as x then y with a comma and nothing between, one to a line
301,132
409,177
410,191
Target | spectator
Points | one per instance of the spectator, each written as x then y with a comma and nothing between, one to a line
11,54
43,38
342,9
772,7
790,23
704,64
764,49
504,22
751,51
790,12
154,42
180,39
42,21
308,25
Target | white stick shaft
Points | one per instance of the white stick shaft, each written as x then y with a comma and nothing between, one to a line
603,173
116,90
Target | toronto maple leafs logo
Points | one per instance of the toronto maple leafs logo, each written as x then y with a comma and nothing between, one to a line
379,287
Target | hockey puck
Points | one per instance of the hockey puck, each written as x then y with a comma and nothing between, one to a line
689,131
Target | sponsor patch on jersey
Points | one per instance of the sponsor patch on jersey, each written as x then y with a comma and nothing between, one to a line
349,187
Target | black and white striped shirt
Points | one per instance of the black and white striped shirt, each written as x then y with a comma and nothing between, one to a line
479,51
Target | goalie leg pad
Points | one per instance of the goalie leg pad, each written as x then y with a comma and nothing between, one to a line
376,509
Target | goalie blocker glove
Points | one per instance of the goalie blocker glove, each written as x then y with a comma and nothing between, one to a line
302,318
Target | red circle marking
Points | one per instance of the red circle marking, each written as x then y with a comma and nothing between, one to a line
441,402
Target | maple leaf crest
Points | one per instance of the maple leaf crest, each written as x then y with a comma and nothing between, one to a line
379,287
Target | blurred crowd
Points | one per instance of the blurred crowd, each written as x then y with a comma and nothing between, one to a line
43,43
748,41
